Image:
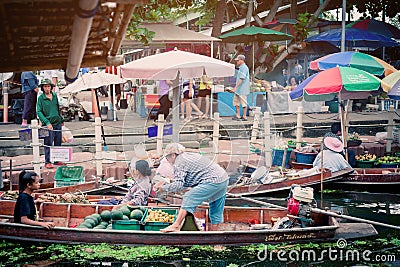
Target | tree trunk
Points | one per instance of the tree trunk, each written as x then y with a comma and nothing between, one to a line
272,11
219,18
249,13
293,9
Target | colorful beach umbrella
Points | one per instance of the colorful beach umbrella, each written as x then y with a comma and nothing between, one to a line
376,26
345,82
392,85
354,38
356,60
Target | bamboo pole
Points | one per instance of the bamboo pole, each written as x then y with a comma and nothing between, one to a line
267,139
216,121
35,147
322,173
160,134
299,127
389,137
98,142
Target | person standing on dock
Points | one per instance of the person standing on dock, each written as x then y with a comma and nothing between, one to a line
241,89
30,89
48,110
25,209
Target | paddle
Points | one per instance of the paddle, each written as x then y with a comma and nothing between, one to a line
316,210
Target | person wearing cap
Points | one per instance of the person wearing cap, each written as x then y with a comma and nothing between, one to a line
242,88
30,89
332,157
25,210
140,189
206,181
48,111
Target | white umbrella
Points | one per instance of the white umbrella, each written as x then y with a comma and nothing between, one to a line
92,80
167,66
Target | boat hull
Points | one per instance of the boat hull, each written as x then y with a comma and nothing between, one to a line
257,189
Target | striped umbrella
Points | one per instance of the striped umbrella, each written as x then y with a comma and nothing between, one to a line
392,85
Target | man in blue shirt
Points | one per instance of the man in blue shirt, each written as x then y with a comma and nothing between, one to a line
242,88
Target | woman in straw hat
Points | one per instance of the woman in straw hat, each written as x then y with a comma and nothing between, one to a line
332,155
206,180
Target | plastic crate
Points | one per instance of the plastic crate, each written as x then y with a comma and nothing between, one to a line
157,226
68,175
307,158
365,164
127,225
389,165
396,135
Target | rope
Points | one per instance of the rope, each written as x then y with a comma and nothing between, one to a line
324,119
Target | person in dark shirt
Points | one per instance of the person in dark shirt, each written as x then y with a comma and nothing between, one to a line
25,210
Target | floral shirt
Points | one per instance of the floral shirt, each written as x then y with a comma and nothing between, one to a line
138,193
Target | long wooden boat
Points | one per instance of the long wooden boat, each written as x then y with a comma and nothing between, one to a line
236,230
92,187
285,183
372,179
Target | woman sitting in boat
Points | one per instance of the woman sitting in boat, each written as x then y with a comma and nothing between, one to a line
139,192
332,157
25,209
206,180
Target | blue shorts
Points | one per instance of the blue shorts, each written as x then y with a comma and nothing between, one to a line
214,193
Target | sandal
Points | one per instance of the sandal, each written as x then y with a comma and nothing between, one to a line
204,116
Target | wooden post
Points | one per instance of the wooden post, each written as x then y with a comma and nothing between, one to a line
389,137
95,108
5,101
98,142
160,134
216,136
267,139
254,132
35,147
299,129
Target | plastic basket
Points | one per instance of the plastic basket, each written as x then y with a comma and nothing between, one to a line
69,172
365,164
68,175
157,226
277,156
307,158
389,165
127,225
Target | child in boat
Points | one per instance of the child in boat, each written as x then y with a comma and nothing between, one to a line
140,190
206,181
332,157
25,209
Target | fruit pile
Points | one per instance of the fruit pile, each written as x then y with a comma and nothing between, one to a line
159,216
366,157
103,220
389,160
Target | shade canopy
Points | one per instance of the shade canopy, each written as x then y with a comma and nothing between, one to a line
356,60
376,26
167,65
392,85
354,38
92,80
349,83
254,34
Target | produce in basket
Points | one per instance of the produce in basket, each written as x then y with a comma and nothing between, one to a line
307,149
366,157
388,160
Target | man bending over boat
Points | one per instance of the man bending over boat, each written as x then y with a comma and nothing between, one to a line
332,157
206,181
139,192
25,209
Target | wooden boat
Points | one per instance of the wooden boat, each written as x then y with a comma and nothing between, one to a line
236,229
372,179
92,187
285,183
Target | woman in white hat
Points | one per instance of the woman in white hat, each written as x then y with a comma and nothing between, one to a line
332,158
206,180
